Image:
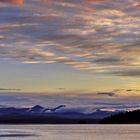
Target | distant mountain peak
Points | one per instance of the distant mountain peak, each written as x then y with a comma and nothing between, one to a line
58,107
54,109
36,108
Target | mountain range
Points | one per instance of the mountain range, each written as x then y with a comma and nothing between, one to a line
60,114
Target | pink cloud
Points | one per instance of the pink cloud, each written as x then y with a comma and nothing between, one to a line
16,2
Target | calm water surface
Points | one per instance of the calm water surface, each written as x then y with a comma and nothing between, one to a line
70,132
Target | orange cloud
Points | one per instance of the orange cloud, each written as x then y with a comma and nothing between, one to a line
97,0
16,2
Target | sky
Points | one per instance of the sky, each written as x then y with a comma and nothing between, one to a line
70,50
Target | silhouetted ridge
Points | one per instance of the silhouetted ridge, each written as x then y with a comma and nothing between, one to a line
57,115
130,117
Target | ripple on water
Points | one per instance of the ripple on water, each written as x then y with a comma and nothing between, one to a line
17,133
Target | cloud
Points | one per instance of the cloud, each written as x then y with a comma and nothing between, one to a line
107,94
16,2
129,73
127,90
108,60
100,36
90,102
61,88
10,89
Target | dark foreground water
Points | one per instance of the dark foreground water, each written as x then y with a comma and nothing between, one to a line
69,132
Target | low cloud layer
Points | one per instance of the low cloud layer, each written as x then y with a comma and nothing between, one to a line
101,36
89,101
9,89
106,93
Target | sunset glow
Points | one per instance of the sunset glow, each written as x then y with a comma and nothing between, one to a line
16,2
71,48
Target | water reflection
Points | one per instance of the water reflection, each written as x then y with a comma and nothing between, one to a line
16,133
74,132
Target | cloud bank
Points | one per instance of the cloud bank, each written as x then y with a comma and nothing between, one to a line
101,36
76,100
9,89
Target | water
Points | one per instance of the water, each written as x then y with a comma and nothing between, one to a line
69,132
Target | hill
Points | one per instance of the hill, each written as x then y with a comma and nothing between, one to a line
129,117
